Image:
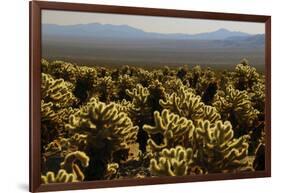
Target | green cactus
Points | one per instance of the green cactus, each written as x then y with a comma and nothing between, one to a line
174,129
111,170
104,89
72,157
82,77
124,82
156,93
140,111
45,66
210,113
185,104
172,162
257,93
64,70
56,91
62,146
85,78
49,123
139,97
236,106
216,149
47,112
183,73
61,177
173,86
144,77
101,123
245,76
70,171
70,163
69,71
107,130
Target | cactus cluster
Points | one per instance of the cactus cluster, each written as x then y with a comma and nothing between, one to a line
102,123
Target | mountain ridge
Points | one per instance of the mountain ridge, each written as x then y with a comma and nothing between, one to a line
126,31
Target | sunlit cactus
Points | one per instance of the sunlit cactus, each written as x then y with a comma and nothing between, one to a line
123,83
144,77
70,170
140,111
257,93
156,93
61,69
107,130
103,123
210,113
45,66
217,150
70,163
139,96
185,104
245,76
56,91
236,106
172,162
104,89
61,177
174,129
47,112
111,170
173,86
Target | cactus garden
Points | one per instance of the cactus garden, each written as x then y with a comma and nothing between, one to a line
112,123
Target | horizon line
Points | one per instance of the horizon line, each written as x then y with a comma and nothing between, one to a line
218,29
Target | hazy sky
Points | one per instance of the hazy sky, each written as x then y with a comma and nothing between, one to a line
150,23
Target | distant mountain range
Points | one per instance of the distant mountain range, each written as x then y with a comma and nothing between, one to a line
128,32
112,45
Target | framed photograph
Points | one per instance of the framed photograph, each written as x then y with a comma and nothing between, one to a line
123,96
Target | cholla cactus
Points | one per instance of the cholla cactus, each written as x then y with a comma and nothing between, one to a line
195,75
156,93
70,171
56,91
44,66
61,69
210,113
69,71
173,86
144,77
61,177
104,125
217,150
205,79
182,73
257,93
174,129
47,112
124,82
99,123
139,97
70,163
49,123
104,89
172,162
185,104
140,111
107,130
125,107
236,106
60,148
111,170
245,76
